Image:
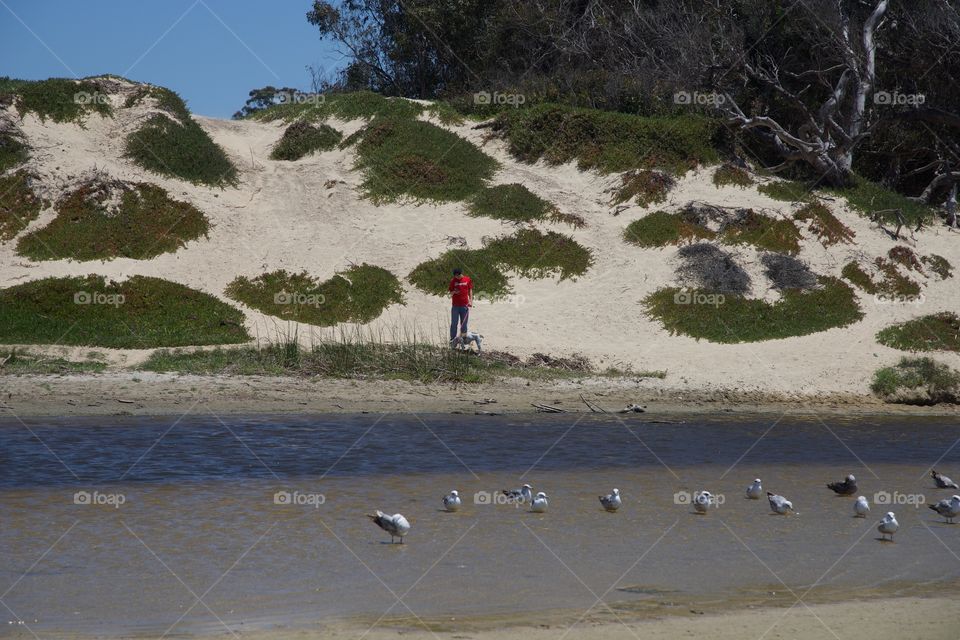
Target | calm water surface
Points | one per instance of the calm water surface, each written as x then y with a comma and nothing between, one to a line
194,529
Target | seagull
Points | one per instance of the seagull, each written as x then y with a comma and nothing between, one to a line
888,526
523,494
949,509
943,482
845,488
396,525
451,501
539,504
755,490
702,501
779,504
611,502
861,507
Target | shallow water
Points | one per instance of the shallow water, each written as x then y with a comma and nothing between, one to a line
200,542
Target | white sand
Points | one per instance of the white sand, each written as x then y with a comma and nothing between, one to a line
283,217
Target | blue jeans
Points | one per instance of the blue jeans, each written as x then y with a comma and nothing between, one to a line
458,316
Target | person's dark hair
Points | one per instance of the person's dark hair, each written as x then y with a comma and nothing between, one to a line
457,272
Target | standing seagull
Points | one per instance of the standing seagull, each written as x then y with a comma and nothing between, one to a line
702,501
451,501
755,491
779,504
943,482
523,494
611,502
539,504
888,526
845,488
949,509
861,507
396,525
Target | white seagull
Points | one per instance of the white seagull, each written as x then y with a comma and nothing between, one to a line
611,502
949,509
779,504
861,507
539,504
396,525
702,501
755,491
451,501
888,526
523,494
942,481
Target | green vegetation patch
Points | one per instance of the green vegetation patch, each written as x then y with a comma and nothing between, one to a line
868,198
103,220
414,158
939,265
763,232
172,144
823,224
345,106
138,313
529,252
645,186
15,363
891,283
732,175
510,202
19,205
786,191
61,99
934,332
921,381
731,318
607,141
359,294
905,257
660,229
13,151
302,138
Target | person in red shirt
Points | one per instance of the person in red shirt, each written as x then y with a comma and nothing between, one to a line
462,289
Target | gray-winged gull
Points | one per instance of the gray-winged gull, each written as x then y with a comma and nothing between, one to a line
612,501
396,525
949,509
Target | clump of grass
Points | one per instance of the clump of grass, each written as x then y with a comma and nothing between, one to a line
89,226
826,226
172,144
730,174
138,313
401,157
302,138
61,99
787,272
892,282
707,267
345,106
645,186
529,252
868,198
905,257
16,363
19,205
510,202
13,151
763,232
660,229
359,294
939,265
934,332
732,318
921,381
445,113
607,141
786,191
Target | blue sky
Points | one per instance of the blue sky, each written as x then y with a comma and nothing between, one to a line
211,52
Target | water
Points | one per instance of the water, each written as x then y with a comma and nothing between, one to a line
189,536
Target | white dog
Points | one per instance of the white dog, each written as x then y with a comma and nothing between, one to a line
465,339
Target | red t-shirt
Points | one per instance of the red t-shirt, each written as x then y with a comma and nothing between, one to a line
461,287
